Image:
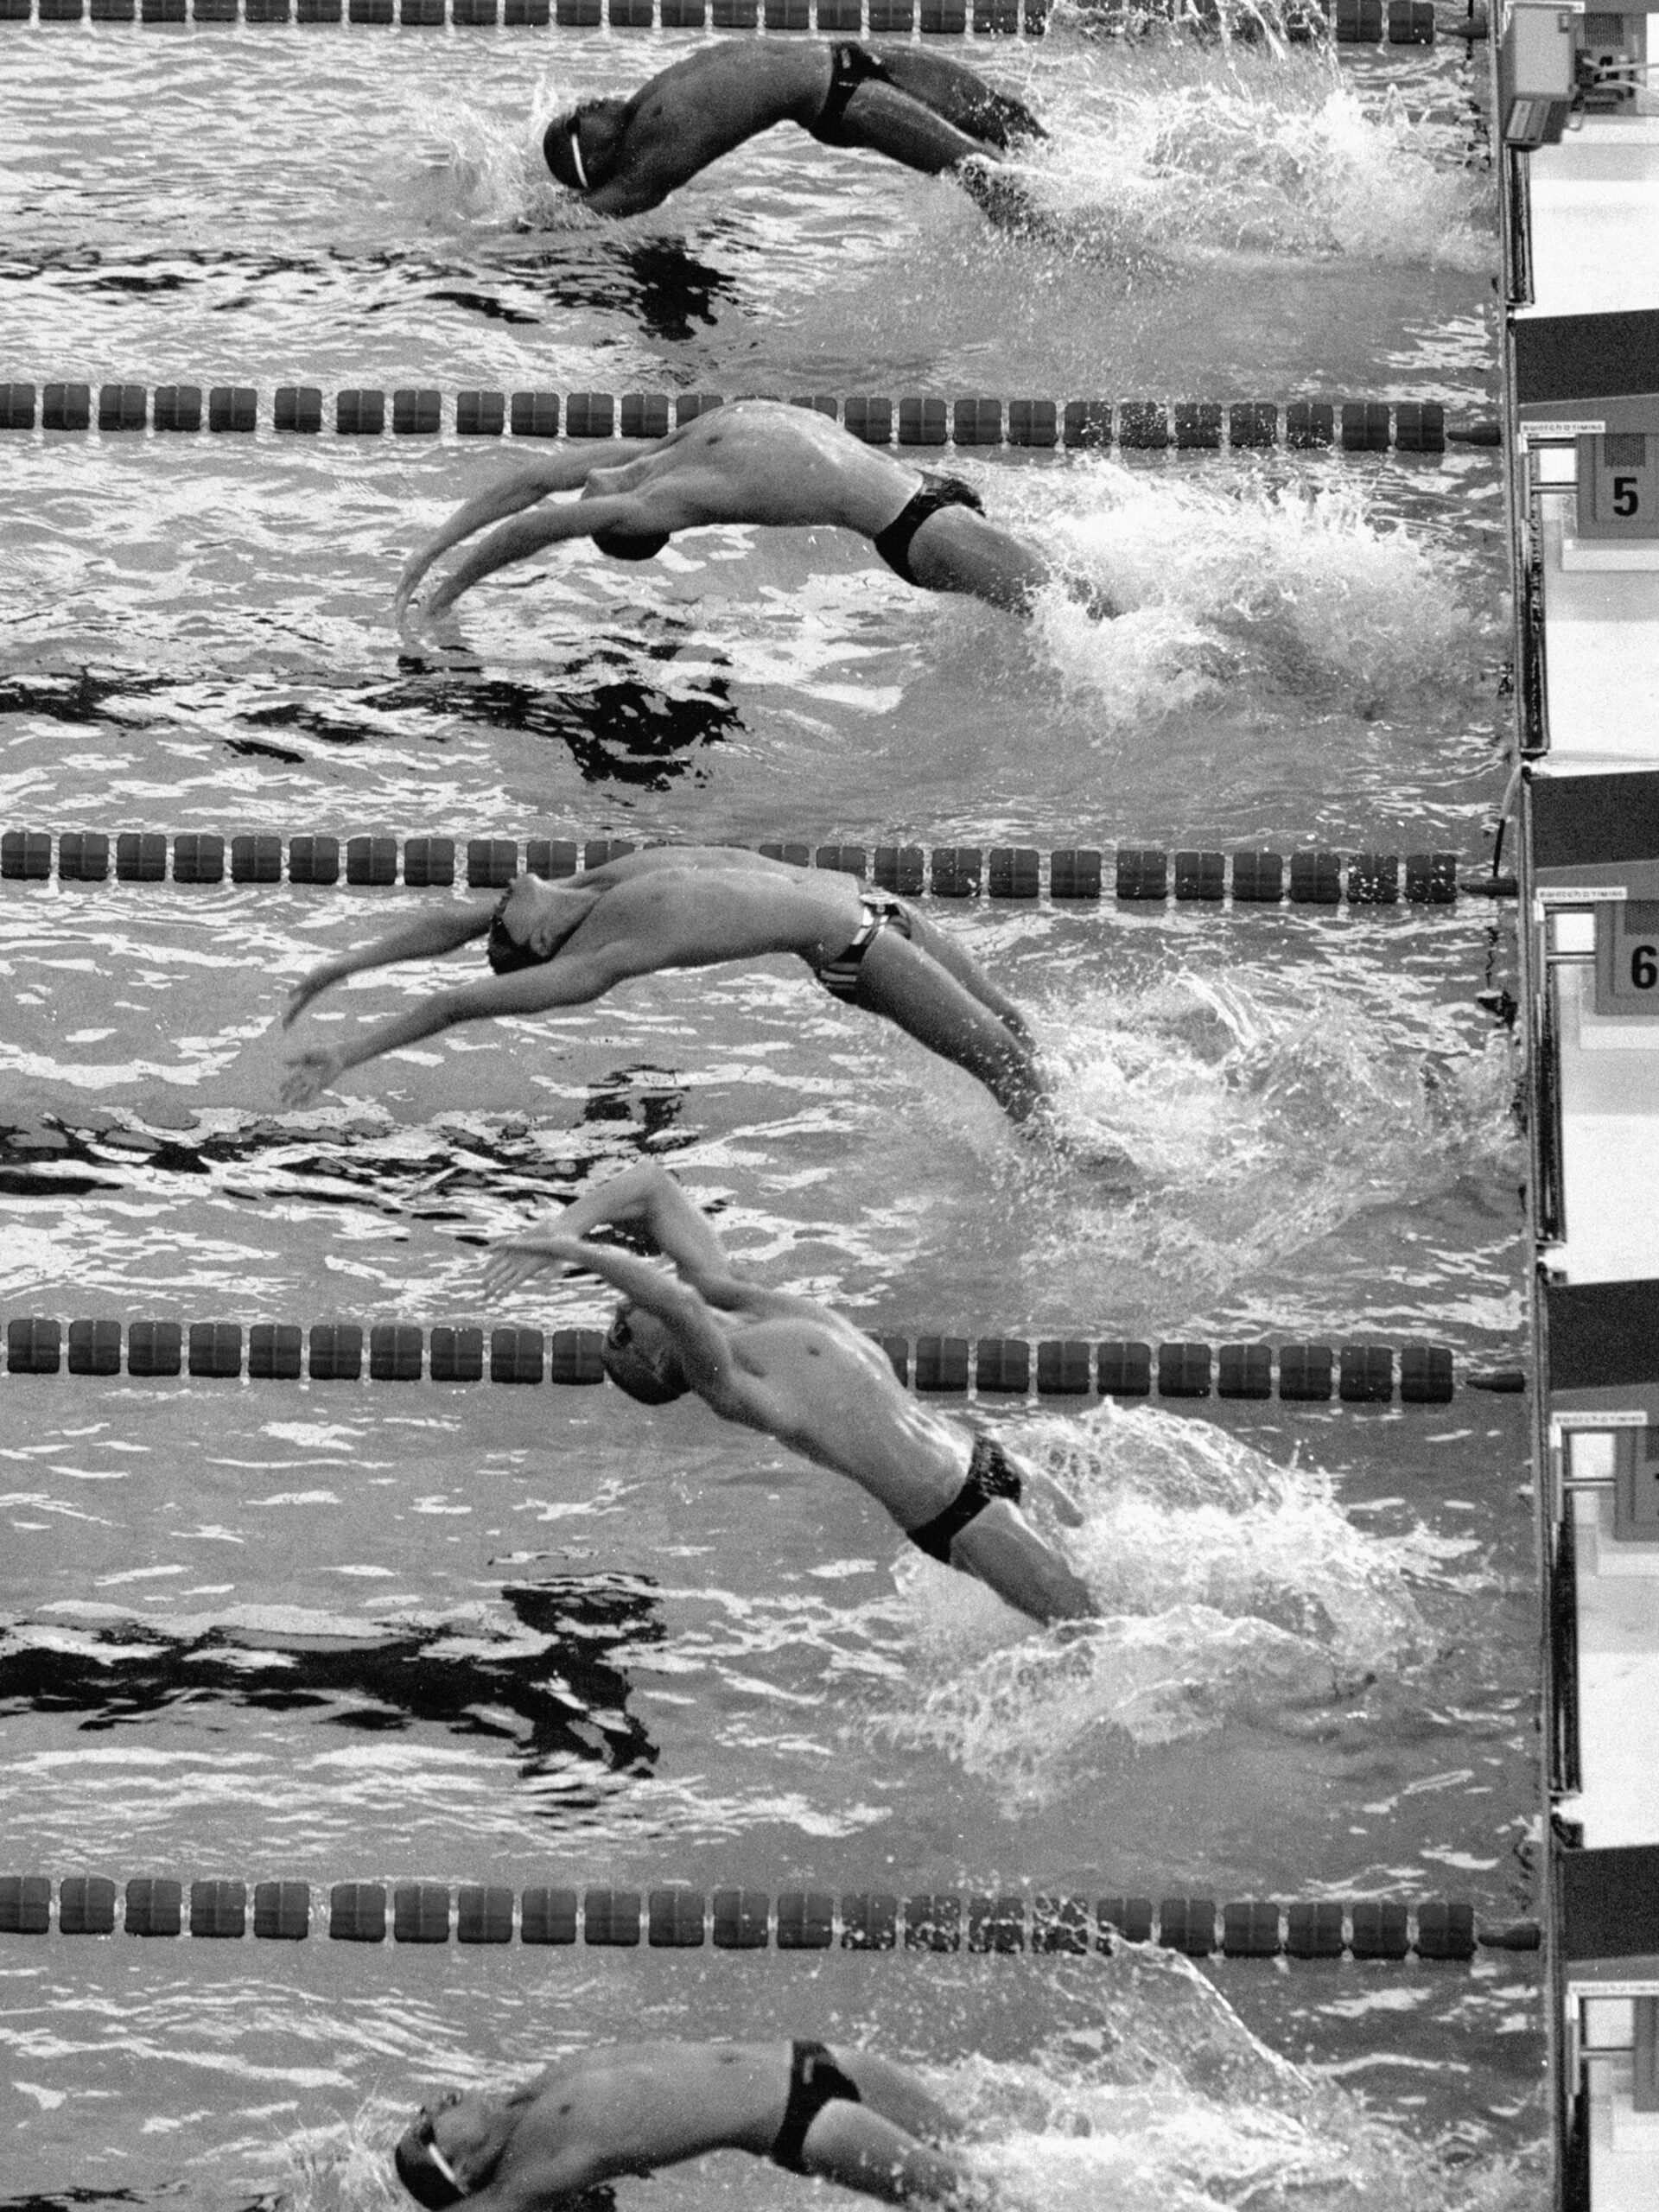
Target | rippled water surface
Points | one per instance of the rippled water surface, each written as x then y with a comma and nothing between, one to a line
353,1631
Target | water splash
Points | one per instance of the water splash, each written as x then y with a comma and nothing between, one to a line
1294,590
1190,152
1227,1585
1262,1114
471,167
1184,2110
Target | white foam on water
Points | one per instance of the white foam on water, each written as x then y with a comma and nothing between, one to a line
1197,151
1215,2124
1261,1112
1229,1586
1229,580
468,167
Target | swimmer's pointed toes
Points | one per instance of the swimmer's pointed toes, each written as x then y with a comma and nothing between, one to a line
1111,1170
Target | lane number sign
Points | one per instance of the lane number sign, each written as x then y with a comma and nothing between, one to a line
1627,957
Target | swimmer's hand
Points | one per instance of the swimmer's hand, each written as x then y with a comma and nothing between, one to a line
311,986
514,1262
405,614
311,1073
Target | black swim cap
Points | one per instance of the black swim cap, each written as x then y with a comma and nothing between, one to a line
560,151
581,148
650,1381
507,954
631,545
421,2177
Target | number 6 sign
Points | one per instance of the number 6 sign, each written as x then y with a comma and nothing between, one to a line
1627,957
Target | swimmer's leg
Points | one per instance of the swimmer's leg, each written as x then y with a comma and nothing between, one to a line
959,96
854,2146
912,989
957,550
1001,1548
894,2092
950,956
890,121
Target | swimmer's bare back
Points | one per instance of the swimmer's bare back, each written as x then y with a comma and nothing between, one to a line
757,461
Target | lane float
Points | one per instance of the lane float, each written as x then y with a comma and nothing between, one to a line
1143,875
949,1366
1147,425
933,18
677,1918
1349,22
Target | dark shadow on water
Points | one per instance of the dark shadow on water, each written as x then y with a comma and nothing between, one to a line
617,729
77,697
632,1111
70,2200
553,1710
655,281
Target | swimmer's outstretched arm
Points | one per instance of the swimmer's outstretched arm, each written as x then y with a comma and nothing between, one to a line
568,979
516,540
428,937
522,486
647,1196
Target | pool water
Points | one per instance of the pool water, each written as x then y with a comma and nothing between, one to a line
332,1632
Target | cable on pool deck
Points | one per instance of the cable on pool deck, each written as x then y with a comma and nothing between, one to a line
948,1366
1146,875
683,1918
1146,425
1354,22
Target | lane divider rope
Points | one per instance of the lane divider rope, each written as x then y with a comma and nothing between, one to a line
1151,425
1352,23
1007,1367
1147,875
751,1920
934,18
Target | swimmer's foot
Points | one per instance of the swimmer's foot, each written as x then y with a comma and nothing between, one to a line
1003,199
1106,1162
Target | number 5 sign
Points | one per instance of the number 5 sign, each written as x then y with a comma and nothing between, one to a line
1618,494
1627,957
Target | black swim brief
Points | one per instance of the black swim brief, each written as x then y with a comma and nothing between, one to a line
937,491
991,1474
815,2079
839,975
850,66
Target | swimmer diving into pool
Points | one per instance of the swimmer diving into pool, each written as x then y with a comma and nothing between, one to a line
566,944
848,2116
796,1371
757,460
920,109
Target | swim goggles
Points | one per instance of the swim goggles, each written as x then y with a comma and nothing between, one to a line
431,2160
